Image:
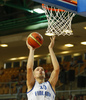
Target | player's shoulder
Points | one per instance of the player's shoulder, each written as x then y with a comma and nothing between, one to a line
52,88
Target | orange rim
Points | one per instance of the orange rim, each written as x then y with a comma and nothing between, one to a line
71,1
74,2
52,8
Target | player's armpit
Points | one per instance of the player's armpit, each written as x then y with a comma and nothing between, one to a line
29,87
30,77
54,78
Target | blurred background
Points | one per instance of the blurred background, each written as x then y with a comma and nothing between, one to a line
18,18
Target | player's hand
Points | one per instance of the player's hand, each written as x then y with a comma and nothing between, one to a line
29,47
52,42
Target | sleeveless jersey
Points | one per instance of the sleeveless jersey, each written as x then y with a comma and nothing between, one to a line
42,91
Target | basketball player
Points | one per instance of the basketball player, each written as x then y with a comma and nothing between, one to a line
38,89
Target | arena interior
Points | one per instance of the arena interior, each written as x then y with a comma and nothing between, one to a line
17,20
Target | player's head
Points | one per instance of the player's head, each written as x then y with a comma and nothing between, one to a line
39,73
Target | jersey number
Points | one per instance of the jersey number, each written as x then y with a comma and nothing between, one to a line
43,87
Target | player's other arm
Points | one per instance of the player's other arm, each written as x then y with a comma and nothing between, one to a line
30,64
55,73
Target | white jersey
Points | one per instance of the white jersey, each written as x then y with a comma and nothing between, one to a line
42,91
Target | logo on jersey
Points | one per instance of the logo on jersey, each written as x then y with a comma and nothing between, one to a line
42,93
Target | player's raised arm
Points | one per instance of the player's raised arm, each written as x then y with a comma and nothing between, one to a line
30,64
54,75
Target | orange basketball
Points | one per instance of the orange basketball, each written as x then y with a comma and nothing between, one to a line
35,40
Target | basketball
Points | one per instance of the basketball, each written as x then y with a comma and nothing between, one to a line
35,40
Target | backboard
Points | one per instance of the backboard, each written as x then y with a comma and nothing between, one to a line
75,6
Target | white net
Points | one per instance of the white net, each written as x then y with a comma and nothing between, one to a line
59,21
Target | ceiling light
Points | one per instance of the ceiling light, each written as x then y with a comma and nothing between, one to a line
38,10
31,11
22,57
13,59
36,56
68,31
69,45
83,43
3,45
18,58
85,28
76,54
49,34
64,52
37,26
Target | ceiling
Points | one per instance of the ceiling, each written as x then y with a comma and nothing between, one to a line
17,22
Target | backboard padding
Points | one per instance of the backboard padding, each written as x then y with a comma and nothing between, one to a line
80,8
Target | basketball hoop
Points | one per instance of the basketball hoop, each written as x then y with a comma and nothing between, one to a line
59,21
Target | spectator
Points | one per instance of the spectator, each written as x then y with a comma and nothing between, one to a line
23,98
75,98
57,98
84,97
49,73
80,61
70,97
72,62
61,66
81,97
23,67
14,78
24,87
6,89
1,71
13,88
62,98
19,87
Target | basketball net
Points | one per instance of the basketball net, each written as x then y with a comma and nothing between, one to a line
59,21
